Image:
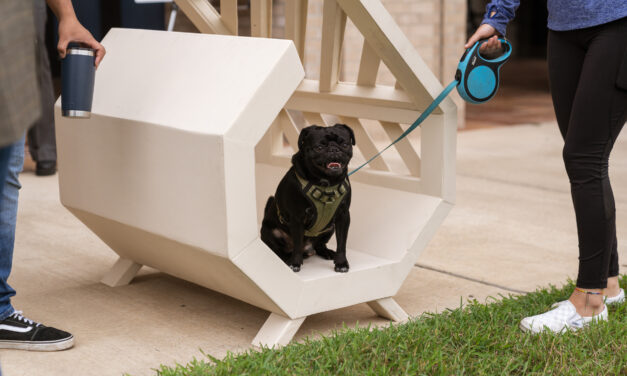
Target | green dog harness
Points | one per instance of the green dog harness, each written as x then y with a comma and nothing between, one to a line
325,200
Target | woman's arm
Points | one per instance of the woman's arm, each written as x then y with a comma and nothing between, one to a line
70,30
498,14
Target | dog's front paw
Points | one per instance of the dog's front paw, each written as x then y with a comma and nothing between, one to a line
325,253
341,267
295,268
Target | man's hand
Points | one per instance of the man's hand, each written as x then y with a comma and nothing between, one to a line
490,48
70,30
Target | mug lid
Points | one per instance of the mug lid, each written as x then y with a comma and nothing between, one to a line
80,51
75,48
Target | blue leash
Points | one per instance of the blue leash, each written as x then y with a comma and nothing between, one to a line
416,124
476,79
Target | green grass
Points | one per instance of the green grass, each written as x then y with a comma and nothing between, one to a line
478,339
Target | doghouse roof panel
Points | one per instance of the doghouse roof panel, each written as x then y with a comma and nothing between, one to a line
199,83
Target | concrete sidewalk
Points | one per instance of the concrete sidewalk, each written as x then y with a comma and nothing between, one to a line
512,229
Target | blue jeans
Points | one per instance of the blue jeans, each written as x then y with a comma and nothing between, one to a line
8,215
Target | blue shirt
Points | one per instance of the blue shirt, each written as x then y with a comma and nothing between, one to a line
563,14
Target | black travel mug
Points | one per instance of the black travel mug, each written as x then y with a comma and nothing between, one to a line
78,72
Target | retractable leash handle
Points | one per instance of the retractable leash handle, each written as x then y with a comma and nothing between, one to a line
476,79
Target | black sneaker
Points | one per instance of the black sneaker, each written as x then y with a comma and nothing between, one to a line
18,332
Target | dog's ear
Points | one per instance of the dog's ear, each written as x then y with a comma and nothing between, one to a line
350,131
304,133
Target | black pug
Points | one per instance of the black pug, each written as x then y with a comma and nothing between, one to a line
312,199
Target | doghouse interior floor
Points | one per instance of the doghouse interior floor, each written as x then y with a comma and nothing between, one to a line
316,267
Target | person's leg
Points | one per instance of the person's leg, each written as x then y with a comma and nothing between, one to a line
613,288
41,136
598,114
8,217
591,111
565,57
17,331
5,154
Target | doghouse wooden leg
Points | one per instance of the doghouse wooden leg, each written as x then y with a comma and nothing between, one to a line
121,273
388,308
277,331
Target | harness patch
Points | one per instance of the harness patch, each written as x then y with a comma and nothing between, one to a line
325,200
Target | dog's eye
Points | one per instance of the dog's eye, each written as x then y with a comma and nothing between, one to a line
318,148
345,145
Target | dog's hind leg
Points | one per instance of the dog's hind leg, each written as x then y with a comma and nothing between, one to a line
276,239
276,243
297,232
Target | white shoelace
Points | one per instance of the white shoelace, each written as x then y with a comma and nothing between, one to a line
18,315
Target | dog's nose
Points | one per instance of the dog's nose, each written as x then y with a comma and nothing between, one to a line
333,149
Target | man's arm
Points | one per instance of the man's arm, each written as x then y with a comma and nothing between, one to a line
70,30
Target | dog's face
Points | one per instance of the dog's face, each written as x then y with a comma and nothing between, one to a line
326,151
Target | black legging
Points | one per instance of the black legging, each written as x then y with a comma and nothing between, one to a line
588,75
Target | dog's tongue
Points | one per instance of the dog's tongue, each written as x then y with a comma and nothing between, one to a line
334,165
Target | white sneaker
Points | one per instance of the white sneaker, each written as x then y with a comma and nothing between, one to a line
564,317
618,299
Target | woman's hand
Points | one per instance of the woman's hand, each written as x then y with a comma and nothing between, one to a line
70,30
490,48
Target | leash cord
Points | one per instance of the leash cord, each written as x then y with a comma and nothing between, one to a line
415,125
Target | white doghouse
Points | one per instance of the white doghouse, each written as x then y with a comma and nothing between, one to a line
190,134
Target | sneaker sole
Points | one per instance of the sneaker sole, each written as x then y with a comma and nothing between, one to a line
565,329
618,301
525,329
38,346
547,330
